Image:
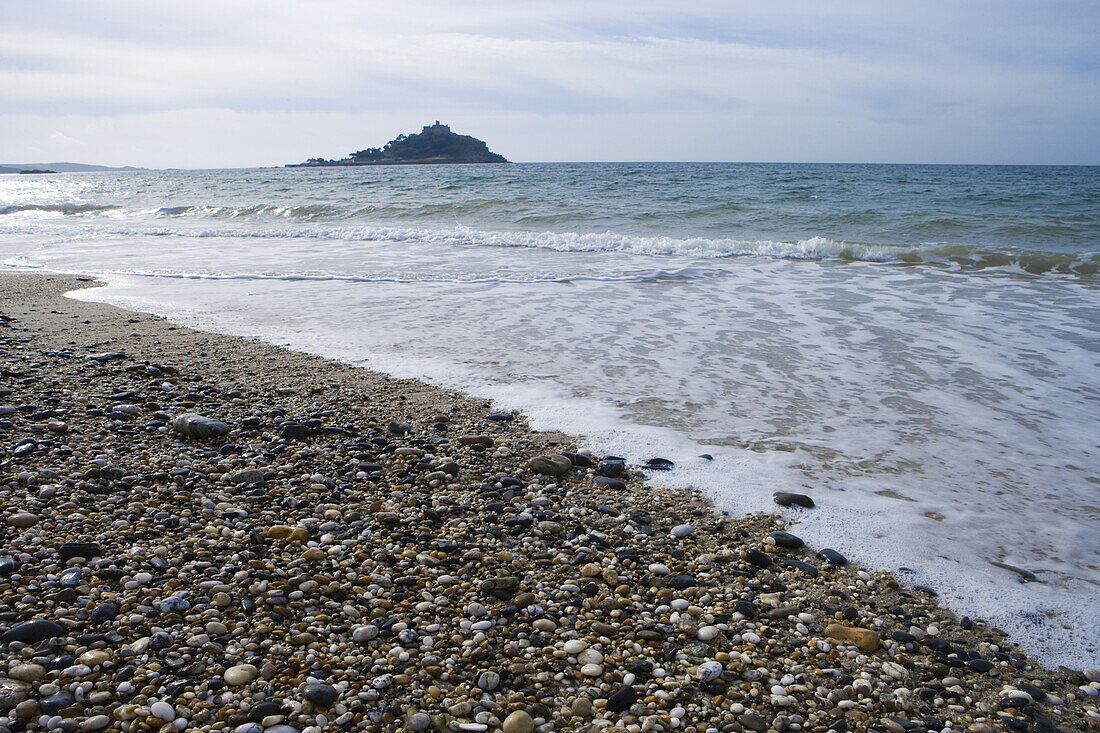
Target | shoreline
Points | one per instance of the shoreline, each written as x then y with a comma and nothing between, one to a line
561,570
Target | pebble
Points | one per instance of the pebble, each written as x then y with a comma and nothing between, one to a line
786,498
338,560
240,674
31,632
681,531
519,721
198,426
22,520
708,671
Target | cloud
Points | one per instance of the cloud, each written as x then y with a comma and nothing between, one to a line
876,74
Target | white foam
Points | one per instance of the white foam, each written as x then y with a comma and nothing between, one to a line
798,352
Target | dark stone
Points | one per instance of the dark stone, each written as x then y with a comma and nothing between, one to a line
611,468
70,577
1043,724
832,557
197,426
622,699
680,582
32,632
500,416
745,608
8,565
1037,693
104,612
267,708
398,428
787,540
757,558
321,695
804,567
980,665
850,613
786,498
659,464
579,460
87,550
293,431
610,483
752,721
56,702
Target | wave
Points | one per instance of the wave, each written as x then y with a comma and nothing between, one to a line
68,209
686,273
820,248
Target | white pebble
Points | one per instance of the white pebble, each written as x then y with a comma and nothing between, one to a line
682,530
708,671
707,633
163,710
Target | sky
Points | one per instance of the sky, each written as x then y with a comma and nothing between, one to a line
232,83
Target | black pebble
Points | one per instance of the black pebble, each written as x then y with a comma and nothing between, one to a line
832,556
787,540
757,558
623,698
786,498
31,632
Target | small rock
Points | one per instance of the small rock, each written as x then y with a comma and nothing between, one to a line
32,632
622,699
786,498
22,520
757,558
418,721
752,721
709,671
87,550
12,693
549,465
240,674
248,476
865,639
519,721
197,426
787,540
832,557
681,531
320,695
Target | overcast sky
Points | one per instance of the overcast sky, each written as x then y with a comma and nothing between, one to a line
198,83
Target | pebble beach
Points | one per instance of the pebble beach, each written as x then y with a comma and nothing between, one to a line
205,532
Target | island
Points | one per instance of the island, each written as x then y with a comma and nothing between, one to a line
434,144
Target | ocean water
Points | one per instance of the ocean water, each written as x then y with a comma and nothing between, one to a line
914,346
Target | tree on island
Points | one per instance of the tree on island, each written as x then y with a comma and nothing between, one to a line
434,144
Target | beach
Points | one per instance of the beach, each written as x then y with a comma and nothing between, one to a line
209,532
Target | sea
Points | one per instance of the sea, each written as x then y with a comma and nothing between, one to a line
915,347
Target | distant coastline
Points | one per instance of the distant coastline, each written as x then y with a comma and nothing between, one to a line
433,145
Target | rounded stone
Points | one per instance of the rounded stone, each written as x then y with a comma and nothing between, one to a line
23,520
575,646
163,710
12,693
709,671
488,681
707,633
592,670
240,674
419,721
681,531
519,721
